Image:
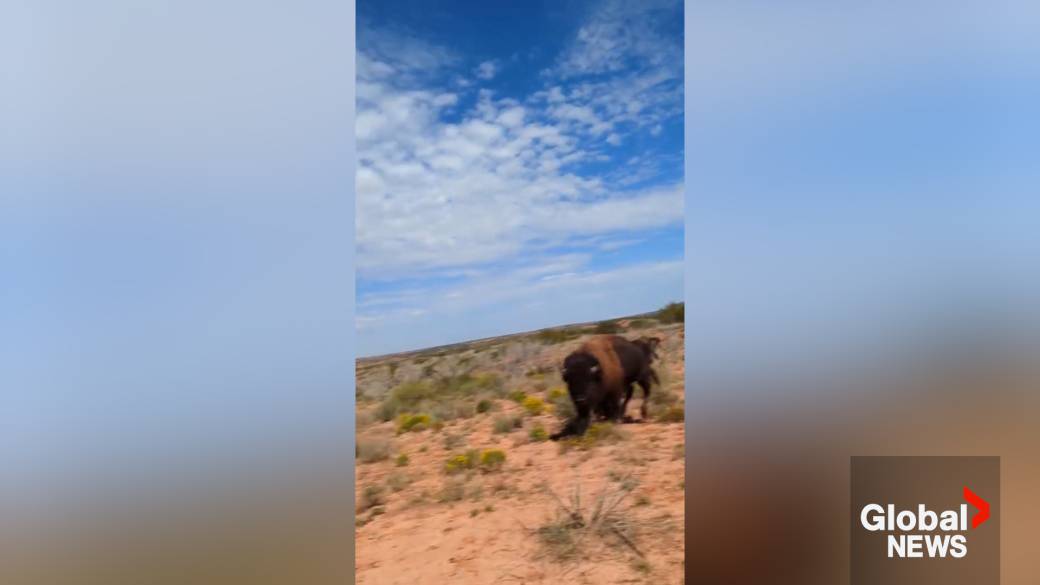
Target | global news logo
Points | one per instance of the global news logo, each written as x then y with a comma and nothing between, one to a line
923,532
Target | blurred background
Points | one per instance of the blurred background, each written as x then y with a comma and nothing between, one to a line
862,253
176,284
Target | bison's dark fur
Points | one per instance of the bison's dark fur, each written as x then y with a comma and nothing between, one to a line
639,371
599,373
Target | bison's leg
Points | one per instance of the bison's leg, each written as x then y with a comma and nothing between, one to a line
629,389
575,426
645,385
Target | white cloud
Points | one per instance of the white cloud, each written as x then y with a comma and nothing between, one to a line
619,32
486,70
496,181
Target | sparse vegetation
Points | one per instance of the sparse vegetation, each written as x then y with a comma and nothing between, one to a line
398,481
462,462
413,422
507,424
452,491
480,393
538,434
492,459
574,526
672,414
597,433
672,313
371,495
372,449
453,441
533,405
554,336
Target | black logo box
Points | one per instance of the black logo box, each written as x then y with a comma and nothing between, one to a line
938,483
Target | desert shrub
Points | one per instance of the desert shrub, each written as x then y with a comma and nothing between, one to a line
484,406
517,396
398,481
506,424
401,460
492,459
412,394
453,441
640,324
413,422
386,411
662,397
462,462
672,414
554,336
370,450
557,393
671,313
466,385
452,491
561,404
538,434
538,372
606,327
449,410
533,405
577,525
597,433
371,496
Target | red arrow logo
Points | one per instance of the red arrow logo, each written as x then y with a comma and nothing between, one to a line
980,504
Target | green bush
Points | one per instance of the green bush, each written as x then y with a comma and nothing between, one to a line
506,424
672,313
484,406
554,336
533,405
413,422
557,393
370,450
371,496
492,459
538,434
673,414
401,460
458,463
517,396
562,405
606,327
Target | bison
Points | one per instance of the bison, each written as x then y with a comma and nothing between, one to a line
638,370
599,373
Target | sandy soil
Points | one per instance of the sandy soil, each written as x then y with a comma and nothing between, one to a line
487,528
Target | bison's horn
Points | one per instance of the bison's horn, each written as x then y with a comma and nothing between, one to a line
594,369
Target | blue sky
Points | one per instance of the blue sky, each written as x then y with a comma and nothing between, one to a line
520,165
861,184
175,235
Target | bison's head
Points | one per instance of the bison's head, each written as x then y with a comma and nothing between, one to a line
582,373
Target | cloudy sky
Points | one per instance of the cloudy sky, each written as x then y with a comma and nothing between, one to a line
519,166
